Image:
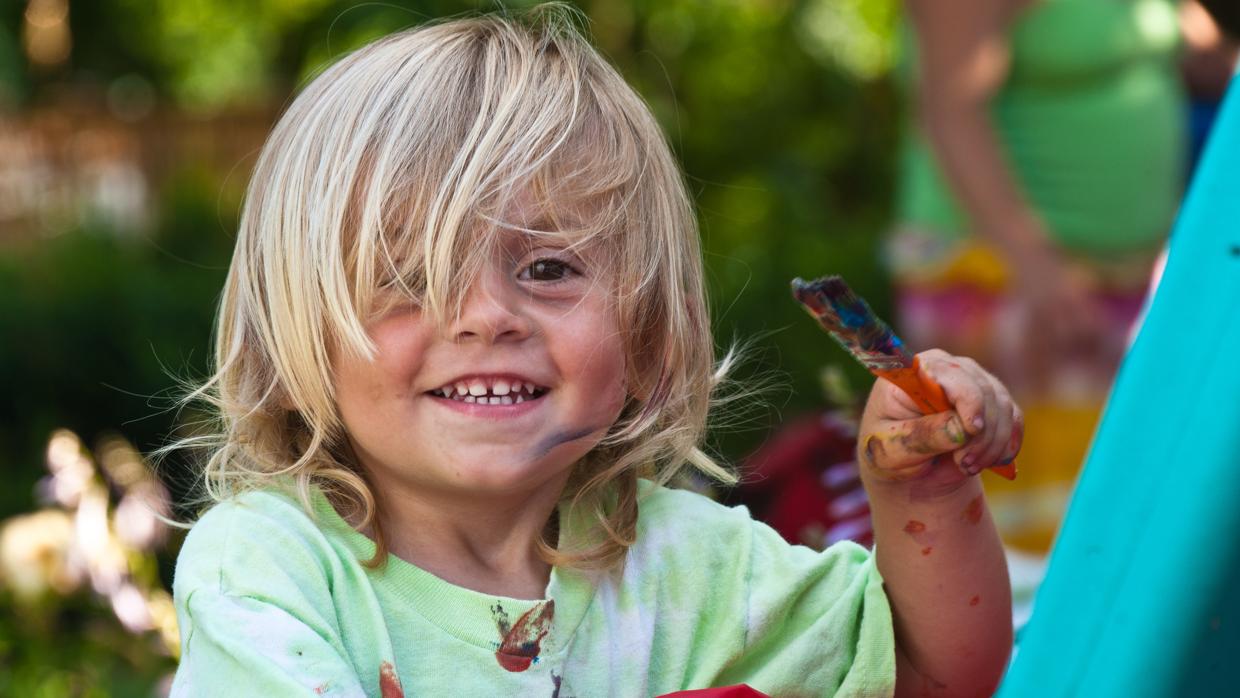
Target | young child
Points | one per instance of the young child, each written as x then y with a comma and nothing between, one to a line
462,347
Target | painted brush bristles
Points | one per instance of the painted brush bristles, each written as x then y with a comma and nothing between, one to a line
849,320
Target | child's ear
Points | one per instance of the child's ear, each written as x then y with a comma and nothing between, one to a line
645,377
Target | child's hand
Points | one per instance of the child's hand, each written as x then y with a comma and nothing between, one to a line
899,444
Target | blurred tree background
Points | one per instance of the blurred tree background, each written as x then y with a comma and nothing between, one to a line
128,128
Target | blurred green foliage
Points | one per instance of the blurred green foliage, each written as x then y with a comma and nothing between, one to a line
71,647
101,323
782,112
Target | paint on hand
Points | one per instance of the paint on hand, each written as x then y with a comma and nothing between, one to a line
973,512
920,437
520,642
875,451
389,682
975,600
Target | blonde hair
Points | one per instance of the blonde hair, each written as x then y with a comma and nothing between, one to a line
383,170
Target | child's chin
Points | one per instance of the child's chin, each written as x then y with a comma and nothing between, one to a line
499,475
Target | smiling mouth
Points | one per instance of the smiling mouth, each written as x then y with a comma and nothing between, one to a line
497,392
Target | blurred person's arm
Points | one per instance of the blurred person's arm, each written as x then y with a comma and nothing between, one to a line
963,59
1210,57
1226,15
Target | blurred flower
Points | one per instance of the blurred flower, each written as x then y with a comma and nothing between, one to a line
164,616
71,470
103,553
83,537
137,516
121,462
129,605
34,554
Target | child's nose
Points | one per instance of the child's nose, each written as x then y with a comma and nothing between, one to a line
491,312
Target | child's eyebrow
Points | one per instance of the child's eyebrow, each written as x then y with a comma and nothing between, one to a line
542,224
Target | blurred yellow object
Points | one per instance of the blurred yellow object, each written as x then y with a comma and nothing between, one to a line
923,261
82,537
35,555
975,265
1029,510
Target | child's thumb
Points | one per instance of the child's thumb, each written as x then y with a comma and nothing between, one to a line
901,444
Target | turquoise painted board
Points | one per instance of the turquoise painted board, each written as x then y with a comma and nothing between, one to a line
1142,595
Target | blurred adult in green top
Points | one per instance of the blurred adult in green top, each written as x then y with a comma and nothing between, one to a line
1039,180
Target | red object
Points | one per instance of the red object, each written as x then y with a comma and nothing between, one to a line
803,482
737,691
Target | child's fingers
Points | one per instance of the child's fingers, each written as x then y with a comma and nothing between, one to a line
966,386
1017,438
987,447
905,448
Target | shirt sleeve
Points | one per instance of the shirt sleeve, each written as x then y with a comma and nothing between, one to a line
817,623
255,608
243,646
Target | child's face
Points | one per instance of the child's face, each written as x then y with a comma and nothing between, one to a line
538,316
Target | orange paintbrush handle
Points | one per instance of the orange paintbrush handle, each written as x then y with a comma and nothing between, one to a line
926,394
930,399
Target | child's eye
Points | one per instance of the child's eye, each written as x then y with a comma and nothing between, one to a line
547,269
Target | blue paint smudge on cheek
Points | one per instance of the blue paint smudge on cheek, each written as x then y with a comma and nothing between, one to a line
559,438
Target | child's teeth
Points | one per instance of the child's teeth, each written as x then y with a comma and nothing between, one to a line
500,388
519,399
505,400
477,388
495,400
462,388
469,398
447,391
529,388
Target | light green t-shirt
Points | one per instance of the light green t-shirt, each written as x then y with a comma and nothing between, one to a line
273,604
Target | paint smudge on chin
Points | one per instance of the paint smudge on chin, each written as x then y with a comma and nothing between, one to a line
913,527
975,600
521,643
973,512
389,682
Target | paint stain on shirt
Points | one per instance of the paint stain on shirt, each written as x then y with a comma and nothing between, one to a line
521,642
973,512
389,682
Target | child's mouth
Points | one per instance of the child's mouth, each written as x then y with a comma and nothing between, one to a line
495,391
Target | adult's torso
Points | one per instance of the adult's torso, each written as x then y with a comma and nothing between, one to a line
1090,117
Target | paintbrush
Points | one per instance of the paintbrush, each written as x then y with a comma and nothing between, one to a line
849,320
